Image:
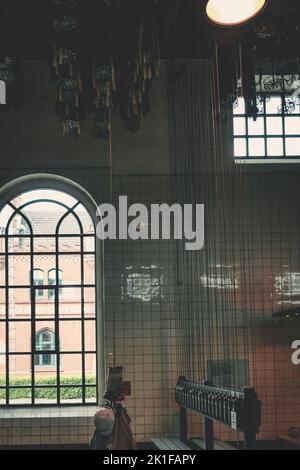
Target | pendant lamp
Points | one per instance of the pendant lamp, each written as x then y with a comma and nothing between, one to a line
233,12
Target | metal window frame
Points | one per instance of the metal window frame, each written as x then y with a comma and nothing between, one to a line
265,136
98,286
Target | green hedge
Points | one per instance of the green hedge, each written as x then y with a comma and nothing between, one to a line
70,393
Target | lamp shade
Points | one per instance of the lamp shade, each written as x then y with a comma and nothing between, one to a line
233,12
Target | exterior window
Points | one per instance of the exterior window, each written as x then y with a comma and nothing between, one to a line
22,232
275,134
38,280
52,282
45,341
35,367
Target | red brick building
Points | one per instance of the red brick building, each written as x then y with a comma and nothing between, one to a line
47,278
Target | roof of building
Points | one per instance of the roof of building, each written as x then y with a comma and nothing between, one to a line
45,223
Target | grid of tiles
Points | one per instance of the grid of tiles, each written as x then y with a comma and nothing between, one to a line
48,426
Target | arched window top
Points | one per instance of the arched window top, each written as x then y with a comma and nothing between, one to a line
38,274
44,194
46,212
52,272
45,336
49,246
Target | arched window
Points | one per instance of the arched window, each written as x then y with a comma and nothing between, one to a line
57,264
52,281
38,280
45,341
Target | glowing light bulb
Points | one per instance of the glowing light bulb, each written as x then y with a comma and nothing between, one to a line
233,12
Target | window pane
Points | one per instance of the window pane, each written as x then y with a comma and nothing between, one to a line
70,304
20,370
257,147
19,336
2,271
256,127
240,148
39,281
19,305
70,336
273,106
2,304
275,147
71,395
89,243
71,268
2,393
90,335
70,244
90,369
86,220
19,245
239,107
2,350
45,305
41,343
18,226
43,244
45,396
239,124
70,226
5,215
45,376
89,302
45,363
292,125
71,369
42,265
55,279
274,126
89,269
91,395
293,147
44,217
20,396
18,270
292,105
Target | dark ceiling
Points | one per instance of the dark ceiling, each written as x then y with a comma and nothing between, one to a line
184,30
179,23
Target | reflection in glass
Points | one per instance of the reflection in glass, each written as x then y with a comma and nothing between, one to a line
145,286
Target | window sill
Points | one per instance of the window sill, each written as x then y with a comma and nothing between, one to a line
36,412
265,161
